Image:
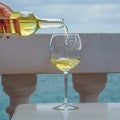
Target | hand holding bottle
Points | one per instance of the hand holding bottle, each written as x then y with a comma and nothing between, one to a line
24,23
5,12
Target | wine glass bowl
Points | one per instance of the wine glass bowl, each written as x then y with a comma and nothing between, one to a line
65,54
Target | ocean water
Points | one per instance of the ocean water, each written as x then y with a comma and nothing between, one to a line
50,89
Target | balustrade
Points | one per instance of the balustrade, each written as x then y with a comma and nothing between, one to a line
22,58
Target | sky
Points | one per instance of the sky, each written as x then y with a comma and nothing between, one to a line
81,16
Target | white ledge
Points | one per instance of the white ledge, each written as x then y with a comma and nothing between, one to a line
23,55
86,111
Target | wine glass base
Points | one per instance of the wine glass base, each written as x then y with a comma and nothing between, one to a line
65,106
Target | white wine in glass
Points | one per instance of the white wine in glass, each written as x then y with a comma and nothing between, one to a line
65,54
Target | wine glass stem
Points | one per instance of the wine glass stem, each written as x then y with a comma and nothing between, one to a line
65,87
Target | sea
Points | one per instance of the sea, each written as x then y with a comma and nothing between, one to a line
50,89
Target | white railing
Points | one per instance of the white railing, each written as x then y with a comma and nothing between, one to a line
22,58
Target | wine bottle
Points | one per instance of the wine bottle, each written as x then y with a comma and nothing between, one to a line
28,23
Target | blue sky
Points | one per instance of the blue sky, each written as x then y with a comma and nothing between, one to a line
82,16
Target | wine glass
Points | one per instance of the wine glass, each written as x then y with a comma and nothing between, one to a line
65,54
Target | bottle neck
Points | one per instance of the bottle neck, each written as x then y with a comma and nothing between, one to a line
51,23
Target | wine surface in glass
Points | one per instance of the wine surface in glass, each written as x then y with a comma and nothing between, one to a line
65,64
